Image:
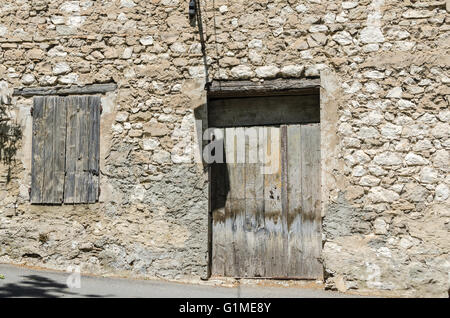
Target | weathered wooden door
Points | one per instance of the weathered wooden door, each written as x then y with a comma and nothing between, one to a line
266,211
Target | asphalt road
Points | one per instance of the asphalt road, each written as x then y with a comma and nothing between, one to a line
24,282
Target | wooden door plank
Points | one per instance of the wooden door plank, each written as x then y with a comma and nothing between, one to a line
237,176
229,216
272,206
219,194
38,140
311,216
294,193
249,226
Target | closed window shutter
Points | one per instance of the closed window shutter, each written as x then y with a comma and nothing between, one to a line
48,150
82,149
65,150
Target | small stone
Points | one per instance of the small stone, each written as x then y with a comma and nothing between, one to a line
127,4
127,53
428,175
441,130
343,38
117,128
58,19
373,75
371,87
156,129
349,4
255,44
388,159
161,156
267,71
28,79
318,28
369,181
75,21
86,247
48,80
292,71
371,47
371,34
147,40
61,68
121,117
354,192
196,71
301,8
380,226
70,6
380,194
441,192
3,30
405,104
368,132
150,144
68,79
300,45
178,47
441,159
391,131
417,14
396,92
415,192
223,9
35,54
241,72
57,51
314,70
412,159
111,53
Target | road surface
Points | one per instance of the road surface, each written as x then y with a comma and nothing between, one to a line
24,282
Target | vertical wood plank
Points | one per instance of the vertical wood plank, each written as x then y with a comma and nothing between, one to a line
219,194
238,203
59,149
294,193
272,206
82,146
71,150
93,104
49,136
37,151
260,231
229,216
311,216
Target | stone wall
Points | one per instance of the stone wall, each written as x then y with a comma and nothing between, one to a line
384,67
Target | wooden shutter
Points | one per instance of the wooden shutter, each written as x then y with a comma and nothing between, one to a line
65,149
48,150
82,149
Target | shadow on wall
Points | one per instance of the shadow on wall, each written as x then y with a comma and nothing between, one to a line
37,286
10,135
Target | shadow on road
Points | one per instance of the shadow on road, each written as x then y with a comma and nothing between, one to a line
38,286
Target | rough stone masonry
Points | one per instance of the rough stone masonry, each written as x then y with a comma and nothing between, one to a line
384,71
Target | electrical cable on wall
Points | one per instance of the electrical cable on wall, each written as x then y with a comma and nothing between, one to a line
194,10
